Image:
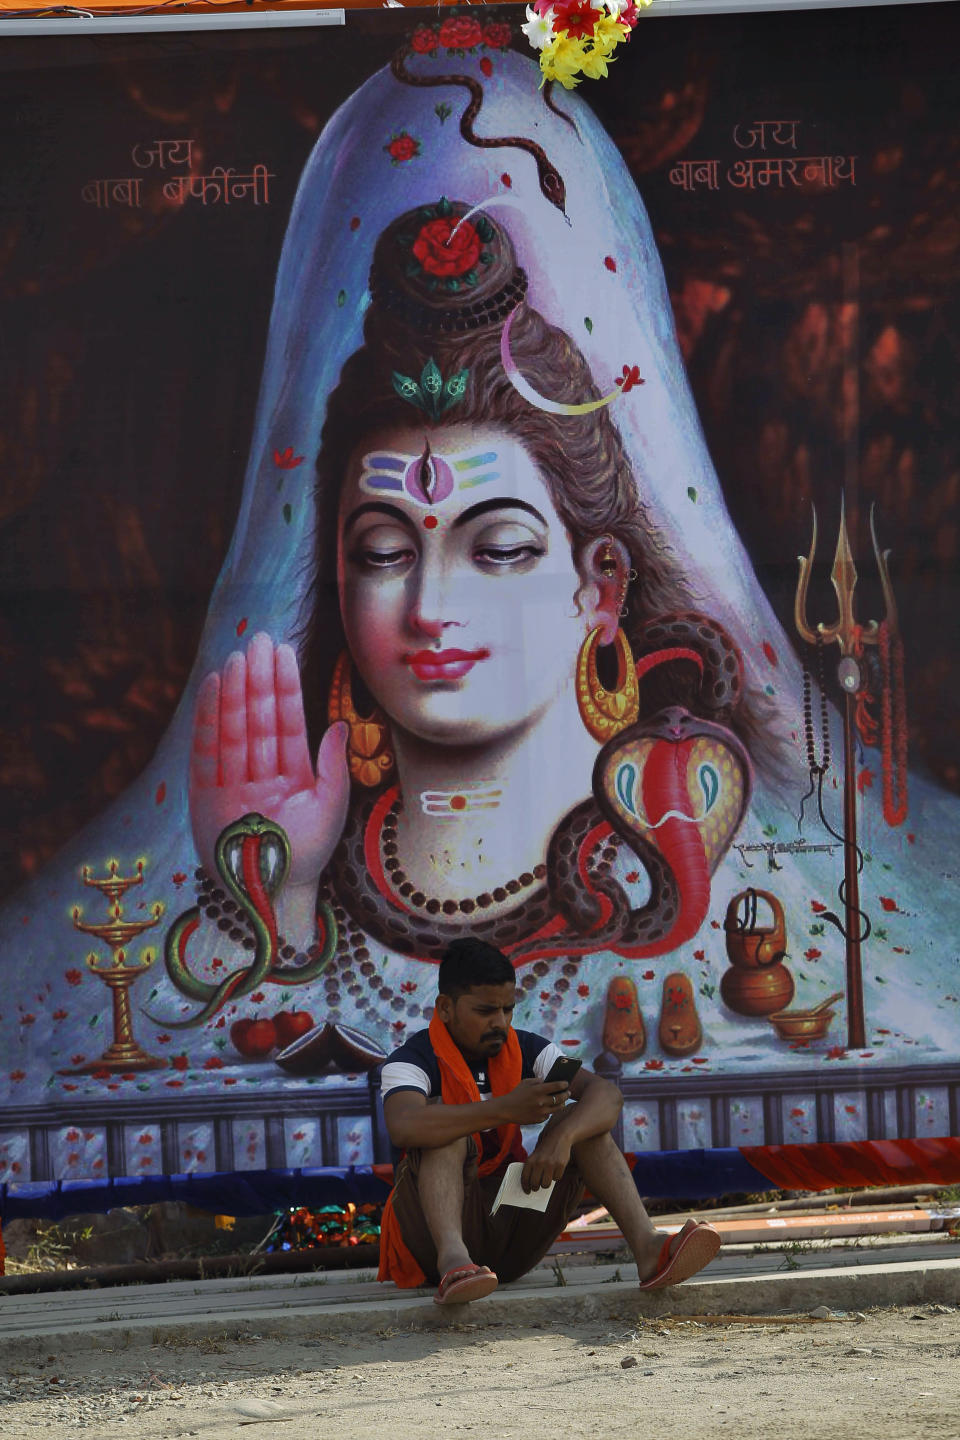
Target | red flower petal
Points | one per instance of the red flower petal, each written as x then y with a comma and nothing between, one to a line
241,625
888,902
610,263
505,180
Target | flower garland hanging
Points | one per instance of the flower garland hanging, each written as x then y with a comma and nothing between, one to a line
577,38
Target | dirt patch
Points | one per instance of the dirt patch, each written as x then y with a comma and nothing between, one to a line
887,1372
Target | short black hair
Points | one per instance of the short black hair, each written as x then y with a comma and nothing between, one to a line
469,962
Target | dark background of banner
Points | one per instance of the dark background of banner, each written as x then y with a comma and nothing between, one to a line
134,343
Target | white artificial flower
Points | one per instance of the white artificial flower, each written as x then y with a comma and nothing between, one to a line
539,28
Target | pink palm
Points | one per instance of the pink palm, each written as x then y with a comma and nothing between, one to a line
250,753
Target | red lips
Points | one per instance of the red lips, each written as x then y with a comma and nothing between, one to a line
443,664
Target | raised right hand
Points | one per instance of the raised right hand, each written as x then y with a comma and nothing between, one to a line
533,1101
250,754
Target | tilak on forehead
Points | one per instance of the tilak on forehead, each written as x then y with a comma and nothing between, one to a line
428,478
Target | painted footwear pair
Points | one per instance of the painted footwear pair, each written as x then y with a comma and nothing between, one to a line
679,1030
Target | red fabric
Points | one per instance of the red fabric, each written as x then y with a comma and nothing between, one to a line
457,1087
857,1163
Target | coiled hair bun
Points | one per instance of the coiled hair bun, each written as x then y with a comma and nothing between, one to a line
440,274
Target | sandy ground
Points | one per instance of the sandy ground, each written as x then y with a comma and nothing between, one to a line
888,1373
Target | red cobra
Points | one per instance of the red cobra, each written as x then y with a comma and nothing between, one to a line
593,903
682,850
679,842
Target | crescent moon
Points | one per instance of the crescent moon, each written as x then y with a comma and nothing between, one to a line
533,397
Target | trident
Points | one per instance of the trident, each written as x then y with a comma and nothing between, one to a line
851,638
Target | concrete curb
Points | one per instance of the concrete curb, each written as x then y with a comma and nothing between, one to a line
293,1313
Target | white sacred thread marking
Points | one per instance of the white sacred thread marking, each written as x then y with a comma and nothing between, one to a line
427,478
460,802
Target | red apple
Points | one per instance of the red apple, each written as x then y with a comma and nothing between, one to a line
254,1038
290,1025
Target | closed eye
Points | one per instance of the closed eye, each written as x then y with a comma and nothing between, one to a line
382,559
507,555
383,547
507,545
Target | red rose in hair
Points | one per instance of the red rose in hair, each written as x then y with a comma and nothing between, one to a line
424,40
497,35
460,33
443,256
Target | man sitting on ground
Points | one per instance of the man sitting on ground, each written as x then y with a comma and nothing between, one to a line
454,1098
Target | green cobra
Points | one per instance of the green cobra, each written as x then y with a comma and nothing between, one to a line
252,857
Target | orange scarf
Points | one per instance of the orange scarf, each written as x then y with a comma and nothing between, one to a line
457,1087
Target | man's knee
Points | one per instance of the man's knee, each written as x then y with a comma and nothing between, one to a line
442,1156
595,1145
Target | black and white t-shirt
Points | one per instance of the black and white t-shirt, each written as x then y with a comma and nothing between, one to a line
415,1067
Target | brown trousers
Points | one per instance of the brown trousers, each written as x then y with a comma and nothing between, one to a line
510,1242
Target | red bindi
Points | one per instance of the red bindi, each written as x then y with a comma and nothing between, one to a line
430,523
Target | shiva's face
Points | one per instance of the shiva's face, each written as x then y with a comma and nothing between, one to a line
458,588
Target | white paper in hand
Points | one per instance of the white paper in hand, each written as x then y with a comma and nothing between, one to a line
511,1192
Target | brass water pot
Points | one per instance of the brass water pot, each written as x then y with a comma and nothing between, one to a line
758,982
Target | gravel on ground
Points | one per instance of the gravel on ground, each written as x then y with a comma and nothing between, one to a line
885,1373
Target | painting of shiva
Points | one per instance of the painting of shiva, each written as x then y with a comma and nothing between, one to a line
488,656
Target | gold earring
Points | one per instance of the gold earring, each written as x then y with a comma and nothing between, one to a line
606,712
606,558
368,747
608,567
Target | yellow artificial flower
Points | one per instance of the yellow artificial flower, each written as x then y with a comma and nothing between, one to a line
562,59
609,32
595,64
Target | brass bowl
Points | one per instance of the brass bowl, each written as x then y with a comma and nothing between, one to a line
801,1024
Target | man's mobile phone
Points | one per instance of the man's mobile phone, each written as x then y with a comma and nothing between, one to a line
564,1068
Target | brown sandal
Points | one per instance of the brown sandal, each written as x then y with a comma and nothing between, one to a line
623,1031
680,1033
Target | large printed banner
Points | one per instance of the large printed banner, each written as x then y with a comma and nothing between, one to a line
405,470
